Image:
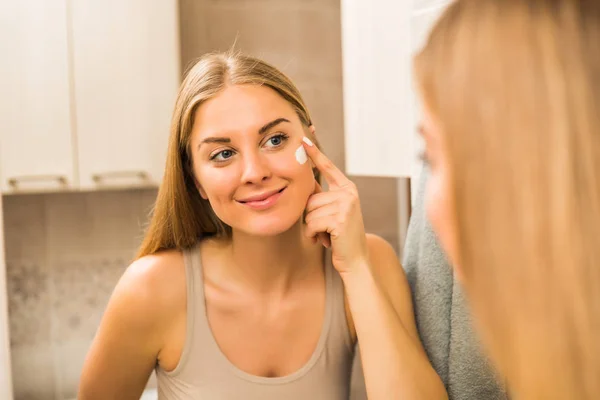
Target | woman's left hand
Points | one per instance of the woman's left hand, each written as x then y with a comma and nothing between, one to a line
336,213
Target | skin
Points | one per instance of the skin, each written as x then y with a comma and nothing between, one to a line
437,191
268,280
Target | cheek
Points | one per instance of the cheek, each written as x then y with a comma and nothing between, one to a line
216,182
289,162
439,210
286,165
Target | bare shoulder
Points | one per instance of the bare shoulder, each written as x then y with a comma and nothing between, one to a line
148,297
384,260
154,285
146,303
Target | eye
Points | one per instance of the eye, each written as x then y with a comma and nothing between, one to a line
277,140
223,155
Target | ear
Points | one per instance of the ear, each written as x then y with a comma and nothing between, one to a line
200,189
312,130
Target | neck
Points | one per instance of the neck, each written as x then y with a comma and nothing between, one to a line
273,263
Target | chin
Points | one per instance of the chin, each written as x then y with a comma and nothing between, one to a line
267,225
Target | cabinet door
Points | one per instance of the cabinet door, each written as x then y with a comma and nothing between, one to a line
126,73
377,105
36,152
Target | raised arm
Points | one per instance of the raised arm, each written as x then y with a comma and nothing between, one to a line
394,362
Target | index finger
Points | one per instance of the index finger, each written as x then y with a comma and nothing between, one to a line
330,172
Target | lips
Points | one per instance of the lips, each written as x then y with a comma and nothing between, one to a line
262,201
261,196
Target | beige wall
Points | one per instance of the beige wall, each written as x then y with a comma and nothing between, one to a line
64,255
5,364
303,38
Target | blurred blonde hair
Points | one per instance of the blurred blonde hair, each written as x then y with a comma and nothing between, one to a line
515,85
181,217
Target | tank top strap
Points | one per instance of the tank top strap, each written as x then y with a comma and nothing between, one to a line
201,340
339,332
196,330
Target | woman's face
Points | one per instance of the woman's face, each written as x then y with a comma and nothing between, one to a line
244,148
437,193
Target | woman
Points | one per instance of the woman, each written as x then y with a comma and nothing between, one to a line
232,296
511,93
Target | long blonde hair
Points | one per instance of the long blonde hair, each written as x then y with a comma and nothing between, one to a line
181,216
515,85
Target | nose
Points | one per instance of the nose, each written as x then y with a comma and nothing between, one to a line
256,169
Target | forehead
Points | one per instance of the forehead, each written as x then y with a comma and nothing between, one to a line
240,108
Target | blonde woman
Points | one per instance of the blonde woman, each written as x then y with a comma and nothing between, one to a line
511,91
252,282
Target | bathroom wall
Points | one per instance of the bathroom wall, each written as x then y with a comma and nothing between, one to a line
5,362
65,252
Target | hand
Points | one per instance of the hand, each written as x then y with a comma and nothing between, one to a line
336,213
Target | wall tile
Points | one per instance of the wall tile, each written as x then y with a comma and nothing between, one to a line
146,204
280,3
378,198
68,230
67,250
68,363
33,372
28,303
25,227
193,28
81,225
302,42
324,101
116,219
81,290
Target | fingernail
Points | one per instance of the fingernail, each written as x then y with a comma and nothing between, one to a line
307,141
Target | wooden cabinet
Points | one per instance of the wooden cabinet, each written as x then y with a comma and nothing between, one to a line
89,88
381,108
126,73
36,145
376,69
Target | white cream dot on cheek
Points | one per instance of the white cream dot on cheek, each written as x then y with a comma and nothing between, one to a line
301,156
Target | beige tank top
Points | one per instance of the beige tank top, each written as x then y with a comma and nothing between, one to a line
205,373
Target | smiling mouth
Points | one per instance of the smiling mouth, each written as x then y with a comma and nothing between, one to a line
263,202
261,198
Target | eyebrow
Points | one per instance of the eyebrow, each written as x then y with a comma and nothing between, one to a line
265,128
271,125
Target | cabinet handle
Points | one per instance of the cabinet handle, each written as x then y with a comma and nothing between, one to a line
14,181
143,175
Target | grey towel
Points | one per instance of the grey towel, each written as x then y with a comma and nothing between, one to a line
442,316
